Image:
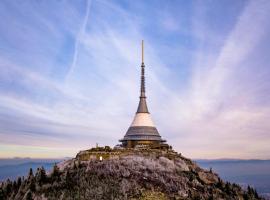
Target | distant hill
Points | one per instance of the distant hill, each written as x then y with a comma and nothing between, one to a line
139,175
15,167
244,172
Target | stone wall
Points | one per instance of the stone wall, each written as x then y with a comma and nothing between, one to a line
101,154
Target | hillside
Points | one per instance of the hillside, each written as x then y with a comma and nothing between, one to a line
137,175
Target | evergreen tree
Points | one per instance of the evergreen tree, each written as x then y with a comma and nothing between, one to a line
56,171
228,188
2,194
79,164
32,185
211,198
219,183
41,176
245,196
14,186
55,176
74,166
248,189
30,174
256,194
29,196
68,180
8,187
19,182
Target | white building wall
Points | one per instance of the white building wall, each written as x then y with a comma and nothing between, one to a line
142,119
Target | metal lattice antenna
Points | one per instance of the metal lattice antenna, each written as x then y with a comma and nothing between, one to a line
142,76
142,51
142,108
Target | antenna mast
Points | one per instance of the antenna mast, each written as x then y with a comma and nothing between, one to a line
142,52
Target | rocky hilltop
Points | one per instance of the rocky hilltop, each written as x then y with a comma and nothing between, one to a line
133,174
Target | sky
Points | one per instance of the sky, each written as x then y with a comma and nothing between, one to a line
70,74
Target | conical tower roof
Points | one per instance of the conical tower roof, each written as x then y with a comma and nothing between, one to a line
142,126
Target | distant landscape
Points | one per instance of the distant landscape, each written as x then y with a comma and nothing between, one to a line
255,173
15,167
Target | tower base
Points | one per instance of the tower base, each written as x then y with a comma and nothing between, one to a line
144,144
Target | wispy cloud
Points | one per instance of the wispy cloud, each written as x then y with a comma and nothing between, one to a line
79,85
216,108
77,41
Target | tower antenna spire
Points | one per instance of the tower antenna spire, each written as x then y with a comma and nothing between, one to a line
142,76
142,52
142,108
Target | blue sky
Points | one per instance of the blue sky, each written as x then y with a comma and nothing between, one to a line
69,75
